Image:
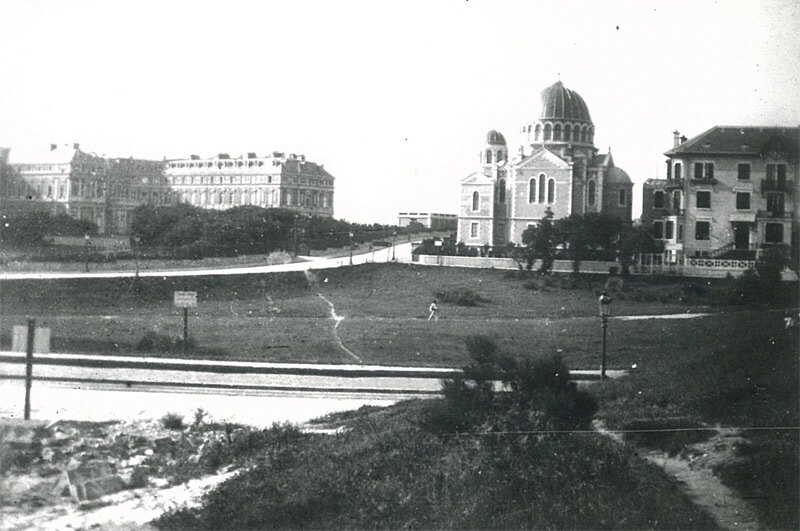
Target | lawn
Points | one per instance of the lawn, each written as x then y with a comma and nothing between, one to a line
737,366
284,317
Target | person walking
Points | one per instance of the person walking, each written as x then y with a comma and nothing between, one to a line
434,312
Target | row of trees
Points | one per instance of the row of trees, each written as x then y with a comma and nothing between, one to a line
33,228
193,232
580,237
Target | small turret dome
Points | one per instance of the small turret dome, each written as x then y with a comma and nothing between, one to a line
561,103
495,138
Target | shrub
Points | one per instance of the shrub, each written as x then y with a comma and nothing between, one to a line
172,421
535,394
278,257
139,477
153,342
460,296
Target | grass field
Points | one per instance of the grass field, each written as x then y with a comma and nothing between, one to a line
282,317
737,366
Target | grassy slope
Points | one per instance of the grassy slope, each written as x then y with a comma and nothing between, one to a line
390,472
280,317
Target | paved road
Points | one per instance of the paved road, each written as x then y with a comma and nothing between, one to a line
380,255
90,387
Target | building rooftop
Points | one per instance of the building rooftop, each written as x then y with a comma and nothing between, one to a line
744,140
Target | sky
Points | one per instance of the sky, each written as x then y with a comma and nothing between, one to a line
394,98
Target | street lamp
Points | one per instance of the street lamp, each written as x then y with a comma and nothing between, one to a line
88,242
351,248
605,313
394,243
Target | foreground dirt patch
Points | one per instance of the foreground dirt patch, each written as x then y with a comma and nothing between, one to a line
112,474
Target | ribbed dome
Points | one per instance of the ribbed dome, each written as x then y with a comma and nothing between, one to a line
561,103
494,138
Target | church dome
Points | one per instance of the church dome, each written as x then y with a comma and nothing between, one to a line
561,103
494,138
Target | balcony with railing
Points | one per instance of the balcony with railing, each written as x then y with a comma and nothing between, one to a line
775,214
777,186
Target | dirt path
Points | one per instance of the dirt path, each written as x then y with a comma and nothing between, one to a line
337,319
693,469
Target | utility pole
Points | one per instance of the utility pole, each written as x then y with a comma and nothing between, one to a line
351,248
29,367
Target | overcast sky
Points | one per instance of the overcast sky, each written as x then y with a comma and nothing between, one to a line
394,98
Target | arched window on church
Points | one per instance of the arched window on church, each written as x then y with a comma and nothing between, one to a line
476,200
591,135
551,191
557,132
488,156
548,132
541,187
576,134
499,156
585,134
532,190
501,198
567,133
538,135
591,193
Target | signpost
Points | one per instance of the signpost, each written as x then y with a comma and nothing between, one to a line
30,339
185,300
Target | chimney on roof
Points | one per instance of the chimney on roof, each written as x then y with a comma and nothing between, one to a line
676,138
683,139
53,147
76,146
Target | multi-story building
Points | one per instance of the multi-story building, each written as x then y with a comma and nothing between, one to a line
103,190
557,168
275,181
729,191
429,220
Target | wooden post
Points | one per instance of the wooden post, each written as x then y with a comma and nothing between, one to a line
29,367
185,329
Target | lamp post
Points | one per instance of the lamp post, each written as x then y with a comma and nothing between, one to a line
605,312
394,243
351,248
88,240
136,241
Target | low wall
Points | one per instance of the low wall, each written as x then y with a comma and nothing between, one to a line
481,262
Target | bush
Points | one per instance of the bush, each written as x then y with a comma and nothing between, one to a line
172,421
460,296
278,257
535,394
153,342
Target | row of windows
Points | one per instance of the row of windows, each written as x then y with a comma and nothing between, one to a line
665,230
705,170
536,193
569,133
543,190
775,202
659,199
498,156
221,179
221,164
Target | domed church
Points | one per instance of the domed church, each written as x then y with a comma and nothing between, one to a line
557,167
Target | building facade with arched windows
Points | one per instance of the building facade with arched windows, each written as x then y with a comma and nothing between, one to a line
556,168
106,191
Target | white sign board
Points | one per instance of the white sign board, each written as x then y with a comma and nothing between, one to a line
41,339
185,299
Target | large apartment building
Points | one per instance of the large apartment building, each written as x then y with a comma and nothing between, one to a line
106,191
730,191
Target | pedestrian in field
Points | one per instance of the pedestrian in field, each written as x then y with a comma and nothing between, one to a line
434,311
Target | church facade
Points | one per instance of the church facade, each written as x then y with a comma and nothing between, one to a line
556,168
